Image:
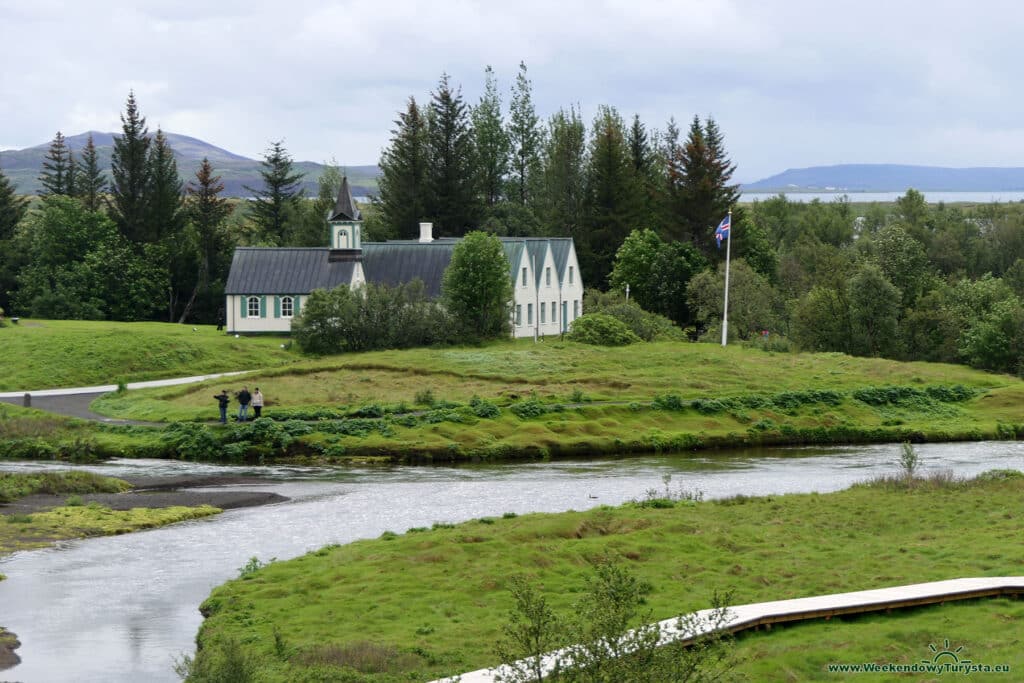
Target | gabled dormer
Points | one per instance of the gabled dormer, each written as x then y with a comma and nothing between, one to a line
345,222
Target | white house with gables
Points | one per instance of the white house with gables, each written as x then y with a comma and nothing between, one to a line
267,285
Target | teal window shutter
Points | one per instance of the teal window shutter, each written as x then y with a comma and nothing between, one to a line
298,300
263,306
277,307
244,304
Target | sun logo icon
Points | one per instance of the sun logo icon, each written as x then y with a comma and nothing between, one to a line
945,654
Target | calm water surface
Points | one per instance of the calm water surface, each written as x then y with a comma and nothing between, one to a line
122,608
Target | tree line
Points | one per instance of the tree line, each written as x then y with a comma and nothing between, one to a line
143,245
466,167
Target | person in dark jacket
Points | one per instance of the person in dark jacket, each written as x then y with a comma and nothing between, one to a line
222,401
244,398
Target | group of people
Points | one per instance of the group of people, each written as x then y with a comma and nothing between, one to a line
245,399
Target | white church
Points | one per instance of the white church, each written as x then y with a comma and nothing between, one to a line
268,285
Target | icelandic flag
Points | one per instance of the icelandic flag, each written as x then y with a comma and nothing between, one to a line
722,233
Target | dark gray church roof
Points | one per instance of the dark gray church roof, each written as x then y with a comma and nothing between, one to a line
344,209
399,261
256,270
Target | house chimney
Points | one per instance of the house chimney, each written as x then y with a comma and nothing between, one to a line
426,232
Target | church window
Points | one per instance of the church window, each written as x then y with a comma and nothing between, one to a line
287,307
253,307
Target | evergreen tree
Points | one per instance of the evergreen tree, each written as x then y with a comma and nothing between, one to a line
58,171
450,174
130,175
611,206
525,139
164,215
12,208
402,199
90,184
563,187
699,189
645,176
207,212
277,201
492,144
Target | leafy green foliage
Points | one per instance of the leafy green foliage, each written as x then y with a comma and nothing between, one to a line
476,287
15,485
647,326
657,273
602,330
376,316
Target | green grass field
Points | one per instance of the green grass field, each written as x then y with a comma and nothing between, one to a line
438,598
44,354
596,400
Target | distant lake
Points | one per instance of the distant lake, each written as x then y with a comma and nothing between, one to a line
930,197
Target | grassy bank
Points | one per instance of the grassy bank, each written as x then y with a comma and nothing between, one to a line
520,399
42,354
75,519
432,602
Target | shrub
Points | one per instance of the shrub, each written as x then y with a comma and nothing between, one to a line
191,441
669,402
425,397
529,408
484,409
601,330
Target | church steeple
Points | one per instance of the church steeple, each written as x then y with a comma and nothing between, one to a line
345,220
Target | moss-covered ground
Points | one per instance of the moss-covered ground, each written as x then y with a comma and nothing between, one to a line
437,598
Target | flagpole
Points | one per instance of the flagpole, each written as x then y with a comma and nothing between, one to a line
725,308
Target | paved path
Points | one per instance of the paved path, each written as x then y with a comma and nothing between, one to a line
75,401
744,617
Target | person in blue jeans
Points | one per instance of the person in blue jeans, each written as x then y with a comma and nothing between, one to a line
244,398
222,401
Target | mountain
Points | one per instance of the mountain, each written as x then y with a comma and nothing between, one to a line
891,178
22,166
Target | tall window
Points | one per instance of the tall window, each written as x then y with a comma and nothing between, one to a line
287,307
575,309
570,275
529,314
547,276
542,316
519,314
253,307
554,313
524,277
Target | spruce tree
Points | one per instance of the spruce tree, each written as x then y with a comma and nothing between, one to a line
644,175
130,175
12,208
563,188
90,183
450,172
207,212
611,205
725,195
525,139
277,201
492,145
164,215
58,168
402,199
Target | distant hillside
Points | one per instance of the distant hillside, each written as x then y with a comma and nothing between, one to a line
891,178
23,166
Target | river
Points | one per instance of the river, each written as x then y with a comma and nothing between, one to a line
122,608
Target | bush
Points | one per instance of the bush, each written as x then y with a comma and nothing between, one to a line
601,330
529,408
648,326
191,441
484,409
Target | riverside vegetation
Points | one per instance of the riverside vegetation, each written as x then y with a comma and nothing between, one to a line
76,519
514,399
435,601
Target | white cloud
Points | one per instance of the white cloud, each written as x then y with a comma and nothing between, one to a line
791,83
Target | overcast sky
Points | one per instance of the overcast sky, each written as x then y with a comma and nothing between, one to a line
791,83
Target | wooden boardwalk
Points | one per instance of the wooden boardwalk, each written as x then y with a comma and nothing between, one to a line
744,617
